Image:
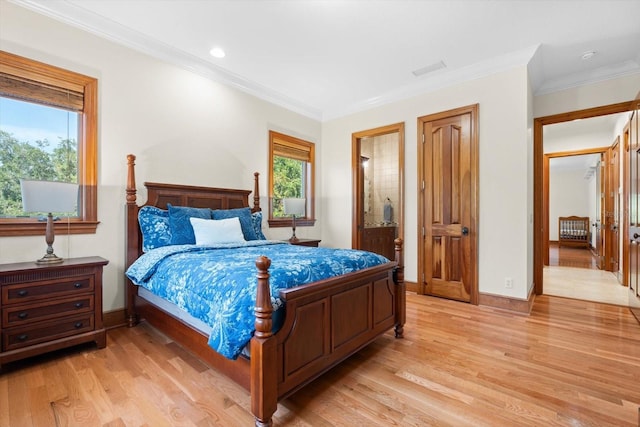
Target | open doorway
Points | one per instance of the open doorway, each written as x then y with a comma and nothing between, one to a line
602,228
378,189
575,209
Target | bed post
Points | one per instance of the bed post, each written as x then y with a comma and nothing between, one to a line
132,236
256,193
264,391
401,296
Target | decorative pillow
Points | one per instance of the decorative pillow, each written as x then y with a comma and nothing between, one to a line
256,221
244,215
181,229
154,225
212,231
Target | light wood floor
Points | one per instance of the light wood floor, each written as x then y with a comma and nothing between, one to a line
573,273
567,256
570,363
585,284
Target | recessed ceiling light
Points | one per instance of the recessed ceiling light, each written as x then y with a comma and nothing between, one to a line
588,55
217,52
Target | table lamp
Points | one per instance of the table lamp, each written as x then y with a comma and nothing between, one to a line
294,207
49,196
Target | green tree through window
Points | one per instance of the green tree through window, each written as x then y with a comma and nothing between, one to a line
48,131
287,181
39,159
291,167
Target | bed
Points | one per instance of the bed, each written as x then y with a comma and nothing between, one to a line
573,231
322,323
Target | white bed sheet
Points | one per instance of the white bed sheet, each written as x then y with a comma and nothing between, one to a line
174,310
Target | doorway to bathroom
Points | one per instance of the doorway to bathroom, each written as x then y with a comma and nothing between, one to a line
378,188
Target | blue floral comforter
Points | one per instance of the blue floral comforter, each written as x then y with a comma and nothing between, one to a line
217,284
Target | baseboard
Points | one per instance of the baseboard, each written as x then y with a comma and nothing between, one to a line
508,303
114,319
411,286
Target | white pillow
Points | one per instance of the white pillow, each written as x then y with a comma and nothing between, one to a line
213,231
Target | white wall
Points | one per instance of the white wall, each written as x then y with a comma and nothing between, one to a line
569,194
182,127
579,142
504,170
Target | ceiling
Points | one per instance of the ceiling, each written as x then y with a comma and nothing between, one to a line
603,127
325,59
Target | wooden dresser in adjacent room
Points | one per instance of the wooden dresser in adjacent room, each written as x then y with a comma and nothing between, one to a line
49,307
380,240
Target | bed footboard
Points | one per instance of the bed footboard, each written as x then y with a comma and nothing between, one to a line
325,323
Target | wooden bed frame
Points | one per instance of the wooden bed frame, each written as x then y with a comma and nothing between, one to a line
567,235
325,322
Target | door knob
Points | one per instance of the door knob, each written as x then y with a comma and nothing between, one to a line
636,235
465,231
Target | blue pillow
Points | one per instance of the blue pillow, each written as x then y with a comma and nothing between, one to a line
256,220
181,229
154,225
244,215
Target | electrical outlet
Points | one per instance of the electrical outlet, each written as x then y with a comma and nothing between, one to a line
508,282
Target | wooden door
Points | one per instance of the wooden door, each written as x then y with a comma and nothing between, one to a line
600,212
613,210
448,156
634,210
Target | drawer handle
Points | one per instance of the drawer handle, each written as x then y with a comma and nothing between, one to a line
23,293
77,285
78,325
23,315
23,337
79,305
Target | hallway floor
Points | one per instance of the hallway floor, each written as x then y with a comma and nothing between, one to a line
573,273
584,284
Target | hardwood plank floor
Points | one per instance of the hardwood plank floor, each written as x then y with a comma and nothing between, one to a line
569,363
567,256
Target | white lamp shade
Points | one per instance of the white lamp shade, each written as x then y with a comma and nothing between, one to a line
294,206
48,196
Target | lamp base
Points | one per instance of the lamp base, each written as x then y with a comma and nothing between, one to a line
49,259
293,239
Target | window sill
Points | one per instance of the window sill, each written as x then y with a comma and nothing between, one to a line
16,227
288,222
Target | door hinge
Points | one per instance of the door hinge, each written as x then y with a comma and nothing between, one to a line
423,185
423,234
423,138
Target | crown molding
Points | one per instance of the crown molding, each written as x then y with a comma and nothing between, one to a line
77,16
439,80
622,69
85,20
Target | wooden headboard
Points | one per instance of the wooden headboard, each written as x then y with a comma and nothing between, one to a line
178,195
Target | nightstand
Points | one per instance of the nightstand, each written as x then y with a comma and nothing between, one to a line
305,242
49,307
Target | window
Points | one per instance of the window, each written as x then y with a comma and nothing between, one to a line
58,99
290,175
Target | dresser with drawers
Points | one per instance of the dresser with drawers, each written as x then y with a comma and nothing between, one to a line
49,307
